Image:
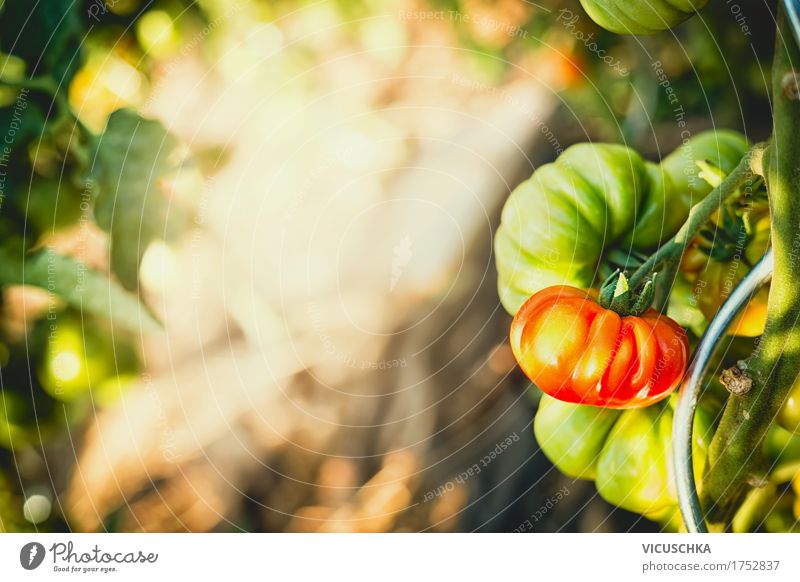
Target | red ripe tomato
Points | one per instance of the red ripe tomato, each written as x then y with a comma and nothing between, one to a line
577,351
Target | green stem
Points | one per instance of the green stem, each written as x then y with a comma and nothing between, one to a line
668,274
672,250
734,454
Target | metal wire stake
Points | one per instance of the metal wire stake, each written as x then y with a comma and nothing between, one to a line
692,387
793,12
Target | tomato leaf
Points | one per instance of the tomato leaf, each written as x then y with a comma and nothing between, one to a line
131,157
78,285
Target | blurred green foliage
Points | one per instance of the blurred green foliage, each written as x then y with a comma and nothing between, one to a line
59,179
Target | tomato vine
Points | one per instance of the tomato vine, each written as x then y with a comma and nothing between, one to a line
775,365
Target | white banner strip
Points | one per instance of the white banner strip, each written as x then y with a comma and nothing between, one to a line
401,557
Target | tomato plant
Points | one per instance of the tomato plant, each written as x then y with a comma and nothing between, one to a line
601,206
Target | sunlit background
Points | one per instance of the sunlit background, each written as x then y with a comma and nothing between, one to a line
318,344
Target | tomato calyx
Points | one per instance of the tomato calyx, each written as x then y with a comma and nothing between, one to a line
616,295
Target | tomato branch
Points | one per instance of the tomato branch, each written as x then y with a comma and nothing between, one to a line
670,253
734,454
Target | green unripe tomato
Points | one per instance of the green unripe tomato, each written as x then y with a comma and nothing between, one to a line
789,414
635,470
780,518
754,509
559,226
781,445
555,224
722,148
572,435
640,16
628,453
